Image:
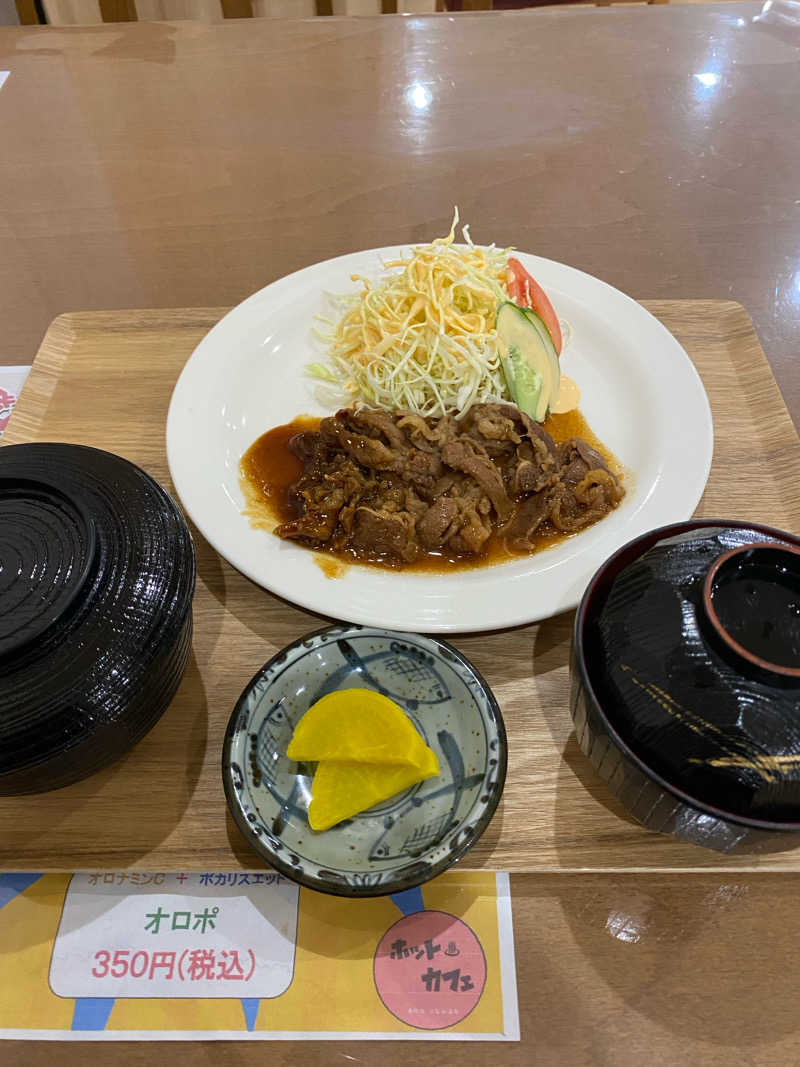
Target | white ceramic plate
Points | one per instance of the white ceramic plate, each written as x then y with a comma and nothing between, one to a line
640,394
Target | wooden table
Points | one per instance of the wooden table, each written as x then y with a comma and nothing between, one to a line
166,165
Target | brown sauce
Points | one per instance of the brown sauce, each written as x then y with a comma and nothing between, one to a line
268,469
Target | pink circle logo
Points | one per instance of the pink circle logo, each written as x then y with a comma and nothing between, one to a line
7,401
430,970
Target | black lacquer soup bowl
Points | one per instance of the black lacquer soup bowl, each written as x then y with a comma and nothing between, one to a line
685,685
96,580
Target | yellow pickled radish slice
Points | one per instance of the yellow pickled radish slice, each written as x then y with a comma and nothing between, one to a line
343,788
359,725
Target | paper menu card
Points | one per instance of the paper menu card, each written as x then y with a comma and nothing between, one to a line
249,956
11,381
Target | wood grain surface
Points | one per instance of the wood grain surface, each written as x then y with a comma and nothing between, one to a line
105,378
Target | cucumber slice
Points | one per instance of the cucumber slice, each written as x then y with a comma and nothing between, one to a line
508,374
527,382
527,350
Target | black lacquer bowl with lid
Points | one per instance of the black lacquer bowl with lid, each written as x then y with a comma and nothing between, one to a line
685,682
97,575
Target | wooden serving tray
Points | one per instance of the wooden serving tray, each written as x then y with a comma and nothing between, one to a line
105,379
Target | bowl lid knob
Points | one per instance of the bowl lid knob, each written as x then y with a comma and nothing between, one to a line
751,602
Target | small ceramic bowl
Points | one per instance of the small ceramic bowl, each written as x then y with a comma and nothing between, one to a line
405,840
685,682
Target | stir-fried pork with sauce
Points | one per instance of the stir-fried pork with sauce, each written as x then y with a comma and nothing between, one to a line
398,487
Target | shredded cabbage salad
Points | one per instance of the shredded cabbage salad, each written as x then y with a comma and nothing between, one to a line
422,338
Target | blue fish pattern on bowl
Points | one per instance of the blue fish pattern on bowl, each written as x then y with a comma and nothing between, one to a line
405,840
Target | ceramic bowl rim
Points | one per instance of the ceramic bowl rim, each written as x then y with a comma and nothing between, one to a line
609,569
384,888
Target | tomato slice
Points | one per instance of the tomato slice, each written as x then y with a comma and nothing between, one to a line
527,293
